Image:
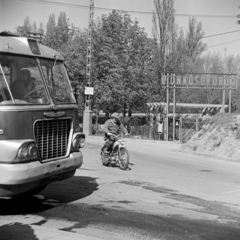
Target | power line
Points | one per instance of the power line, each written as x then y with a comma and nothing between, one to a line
130,11
221,34
99,8
236,40
56,3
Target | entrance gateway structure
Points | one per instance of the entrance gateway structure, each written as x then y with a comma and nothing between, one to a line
195,80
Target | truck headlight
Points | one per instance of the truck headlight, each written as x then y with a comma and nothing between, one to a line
27,152
78,141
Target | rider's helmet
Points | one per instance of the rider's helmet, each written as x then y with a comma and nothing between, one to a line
115,115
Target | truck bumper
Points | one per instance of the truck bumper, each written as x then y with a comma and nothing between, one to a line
17,178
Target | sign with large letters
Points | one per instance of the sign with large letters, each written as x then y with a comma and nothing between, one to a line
200,80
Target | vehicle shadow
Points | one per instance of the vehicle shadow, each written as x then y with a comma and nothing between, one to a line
53,195
17,231
69,190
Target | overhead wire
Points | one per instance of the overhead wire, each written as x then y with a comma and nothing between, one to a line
221,34
130,11
220,44
140,12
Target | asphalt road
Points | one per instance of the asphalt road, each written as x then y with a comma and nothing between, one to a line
165,194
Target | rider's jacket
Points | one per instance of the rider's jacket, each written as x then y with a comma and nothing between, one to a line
111,127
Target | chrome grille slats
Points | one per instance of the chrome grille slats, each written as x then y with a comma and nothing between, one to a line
52,137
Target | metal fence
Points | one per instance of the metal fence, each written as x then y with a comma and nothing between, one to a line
141,127
188,127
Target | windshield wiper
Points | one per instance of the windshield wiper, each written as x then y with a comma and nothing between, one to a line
59,99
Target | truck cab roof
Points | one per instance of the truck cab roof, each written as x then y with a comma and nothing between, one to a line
14,44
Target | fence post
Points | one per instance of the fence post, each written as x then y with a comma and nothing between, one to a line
151,125
180,129
197,127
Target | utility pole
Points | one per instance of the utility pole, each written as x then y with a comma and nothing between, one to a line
87,115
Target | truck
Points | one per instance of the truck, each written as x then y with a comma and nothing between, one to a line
40,137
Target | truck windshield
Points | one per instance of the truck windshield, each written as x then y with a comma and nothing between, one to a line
21,81
57,81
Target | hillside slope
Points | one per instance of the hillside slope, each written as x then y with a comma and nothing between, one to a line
220,137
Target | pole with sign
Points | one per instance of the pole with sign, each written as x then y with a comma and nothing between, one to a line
230,100
174,109
167,119
87,115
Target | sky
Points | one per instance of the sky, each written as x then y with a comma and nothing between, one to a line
217,16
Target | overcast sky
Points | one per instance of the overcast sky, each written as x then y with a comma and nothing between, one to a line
217,16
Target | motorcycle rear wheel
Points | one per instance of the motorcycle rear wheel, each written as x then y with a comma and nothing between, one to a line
105,161
123,158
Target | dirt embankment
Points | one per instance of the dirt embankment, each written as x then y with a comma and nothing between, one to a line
220,137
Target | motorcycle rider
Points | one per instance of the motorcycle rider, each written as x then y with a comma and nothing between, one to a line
113,126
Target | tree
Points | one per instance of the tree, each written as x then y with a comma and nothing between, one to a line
187,59
50,36
34,27
232,66
193,47
61,31
75,54
121,53
41,28
25,29
57,34
163,28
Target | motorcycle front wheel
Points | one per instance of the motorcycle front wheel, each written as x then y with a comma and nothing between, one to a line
103,157
123,158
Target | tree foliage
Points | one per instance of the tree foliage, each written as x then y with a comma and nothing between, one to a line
50,36
75,54
127,64
26,28
164,29
175,50
122,52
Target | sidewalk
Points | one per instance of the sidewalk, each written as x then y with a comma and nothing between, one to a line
20,231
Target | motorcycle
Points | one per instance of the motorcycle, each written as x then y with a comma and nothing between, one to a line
119,155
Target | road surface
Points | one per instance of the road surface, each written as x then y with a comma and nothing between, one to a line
165,194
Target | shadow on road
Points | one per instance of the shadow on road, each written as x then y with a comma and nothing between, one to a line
17,231
71,189
54,195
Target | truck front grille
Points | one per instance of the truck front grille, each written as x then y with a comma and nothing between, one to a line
52,137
